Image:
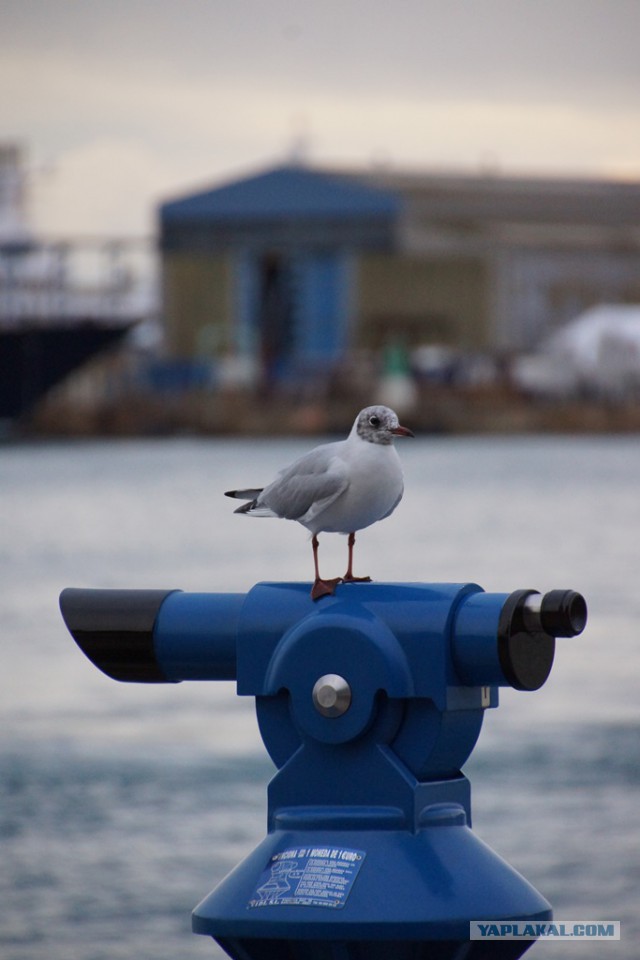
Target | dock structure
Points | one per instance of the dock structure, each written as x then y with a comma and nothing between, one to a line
287,273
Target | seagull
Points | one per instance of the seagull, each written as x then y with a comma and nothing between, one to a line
337,487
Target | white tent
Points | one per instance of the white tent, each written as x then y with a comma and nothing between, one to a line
602,347
599,351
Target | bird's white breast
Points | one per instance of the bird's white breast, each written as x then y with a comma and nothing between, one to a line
375,488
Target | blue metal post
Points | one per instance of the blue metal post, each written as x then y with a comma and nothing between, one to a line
369,703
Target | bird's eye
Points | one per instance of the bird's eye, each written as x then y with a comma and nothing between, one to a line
374,421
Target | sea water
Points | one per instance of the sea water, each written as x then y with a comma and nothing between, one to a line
122,805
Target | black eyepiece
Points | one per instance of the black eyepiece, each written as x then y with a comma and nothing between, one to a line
527,631
114,629
563,613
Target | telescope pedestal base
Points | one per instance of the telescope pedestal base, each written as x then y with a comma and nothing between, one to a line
367,891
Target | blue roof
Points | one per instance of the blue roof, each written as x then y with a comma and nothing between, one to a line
285,192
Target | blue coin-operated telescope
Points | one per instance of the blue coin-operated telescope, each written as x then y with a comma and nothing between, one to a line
369,703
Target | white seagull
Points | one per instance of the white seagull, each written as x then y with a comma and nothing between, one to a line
337,487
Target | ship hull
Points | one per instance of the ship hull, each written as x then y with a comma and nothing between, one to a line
34,358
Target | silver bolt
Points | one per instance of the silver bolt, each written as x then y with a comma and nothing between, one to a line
331,695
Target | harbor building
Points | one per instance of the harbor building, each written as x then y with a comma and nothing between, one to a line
286,273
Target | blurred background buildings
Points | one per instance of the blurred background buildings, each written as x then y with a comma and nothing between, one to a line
258,242
294,294
286,276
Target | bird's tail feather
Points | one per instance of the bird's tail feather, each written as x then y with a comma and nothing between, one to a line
246,507
250,506
250,494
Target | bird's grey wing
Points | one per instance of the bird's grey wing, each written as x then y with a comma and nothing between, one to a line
307,486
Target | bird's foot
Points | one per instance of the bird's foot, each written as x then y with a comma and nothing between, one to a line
324,588
349,578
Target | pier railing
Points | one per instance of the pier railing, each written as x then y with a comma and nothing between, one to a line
69,281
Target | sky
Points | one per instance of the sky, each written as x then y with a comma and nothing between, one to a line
121,104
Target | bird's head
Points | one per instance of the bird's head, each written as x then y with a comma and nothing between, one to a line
379,424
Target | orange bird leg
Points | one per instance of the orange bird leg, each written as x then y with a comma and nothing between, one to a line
349,577
321,588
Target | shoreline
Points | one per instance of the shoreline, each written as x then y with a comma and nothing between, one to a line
437,410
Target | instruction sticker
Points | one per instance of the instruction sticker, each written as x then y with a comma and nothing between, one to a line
308,877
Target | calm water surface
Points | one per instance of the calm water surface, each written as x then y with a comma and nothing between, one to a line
122,805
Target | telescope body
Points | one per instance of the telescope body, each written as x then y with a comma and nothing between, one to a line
369,703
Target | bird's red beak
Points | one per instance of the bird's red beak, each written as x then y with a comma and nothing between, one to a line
402,431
